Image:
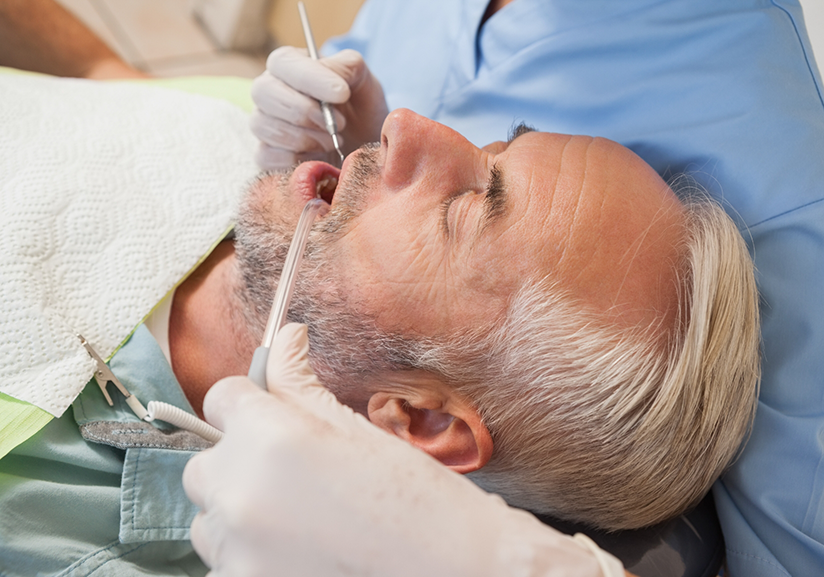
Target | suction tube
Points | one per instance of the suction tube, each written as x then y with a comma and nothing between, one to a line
277,316
257,370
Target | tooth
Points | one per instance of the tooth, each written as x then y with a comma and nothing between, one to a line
328,183
321,185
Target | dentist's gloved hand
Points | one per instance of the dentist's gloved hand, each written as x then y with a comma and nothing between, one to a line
302,486
287,119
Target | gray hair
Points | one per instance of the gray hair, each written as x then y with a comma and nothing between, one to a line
605,426
591,422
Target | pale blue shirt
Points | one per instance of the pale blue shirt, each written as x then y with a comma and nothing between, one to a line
97,491
725,90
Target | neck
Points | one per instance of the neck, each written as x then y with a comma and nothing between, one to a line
204,338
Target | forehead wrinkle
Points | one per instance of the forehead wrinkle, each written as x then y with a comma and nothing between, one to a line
635,248
531,208
528,193
572,224
598,214
632,252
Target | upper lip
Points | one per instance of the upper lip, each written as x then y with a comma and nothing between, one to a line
309,175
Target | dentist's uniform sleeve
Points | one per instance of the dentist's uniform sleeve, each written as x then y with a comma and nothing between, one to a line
727,92
301,485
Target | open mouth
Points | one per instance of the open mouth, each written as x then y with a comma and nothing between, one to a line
326,187
314,179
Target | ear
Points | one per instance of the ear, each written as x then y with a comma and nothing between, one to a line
449,429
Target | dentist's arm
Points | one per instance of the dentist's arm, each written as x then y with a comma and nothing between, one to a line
287,119
301,485
42,36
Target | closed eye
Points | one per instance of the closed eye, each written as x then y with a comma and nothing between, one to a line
445,210
494,202
495,197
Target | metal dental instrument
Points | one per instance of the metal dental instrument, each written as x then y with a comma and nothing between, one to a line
326,108
277,316
104,375
157,410
257,369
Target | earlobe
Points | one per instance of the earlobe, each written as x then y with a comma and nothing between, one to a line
449,430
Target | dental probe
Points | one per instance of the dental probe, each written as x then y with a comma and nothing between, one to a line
277,316
326,108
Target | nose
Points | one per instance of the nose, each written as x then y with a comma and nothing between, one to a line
415,148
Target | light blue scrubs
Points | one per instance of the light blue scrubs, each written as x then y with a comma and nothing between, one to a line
726,90
97,491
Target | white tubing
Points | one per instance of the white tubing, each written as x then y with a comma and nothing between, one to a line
180,418
137,407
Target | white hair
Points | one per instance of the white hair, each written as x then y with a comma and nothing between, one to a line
605,426
590,422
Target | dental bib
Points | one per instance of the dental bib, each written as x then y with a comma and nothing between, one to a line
110,193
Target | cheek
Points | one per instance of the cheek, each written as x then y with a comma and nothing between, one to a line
398,272
500,266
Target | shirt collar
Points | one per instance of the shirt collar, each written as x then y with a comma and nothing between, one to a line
153,505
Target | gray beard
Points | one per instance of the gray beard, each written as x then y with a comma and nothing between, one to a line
347,350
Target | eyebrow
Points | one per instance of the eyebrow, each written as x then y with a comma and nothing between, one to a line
519,130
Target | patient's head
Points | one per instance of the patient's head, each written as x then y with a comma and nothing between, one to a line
543,314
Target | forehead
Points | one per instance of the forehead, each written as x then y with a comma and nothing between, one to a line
587,213
544,175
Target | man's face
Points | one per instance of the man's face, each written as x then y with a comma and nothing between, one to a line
443,232
433,236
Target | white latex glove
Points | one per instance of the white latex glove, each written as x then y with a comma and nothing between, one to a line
302,486
287,119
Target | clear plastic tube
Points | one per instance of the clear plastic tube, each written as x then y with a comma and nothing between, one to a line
283,295
257,370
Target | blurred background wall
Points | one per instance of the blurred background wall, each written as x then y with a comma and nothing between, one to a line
183,37
328,18
211,37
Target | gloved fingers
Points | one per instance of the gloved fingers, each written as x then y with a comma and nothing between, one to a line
233,540
276,98
229,398
290,377
349,65
271,158
217,533
201,541
311,77
281,134
196,478
288,363
288,370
